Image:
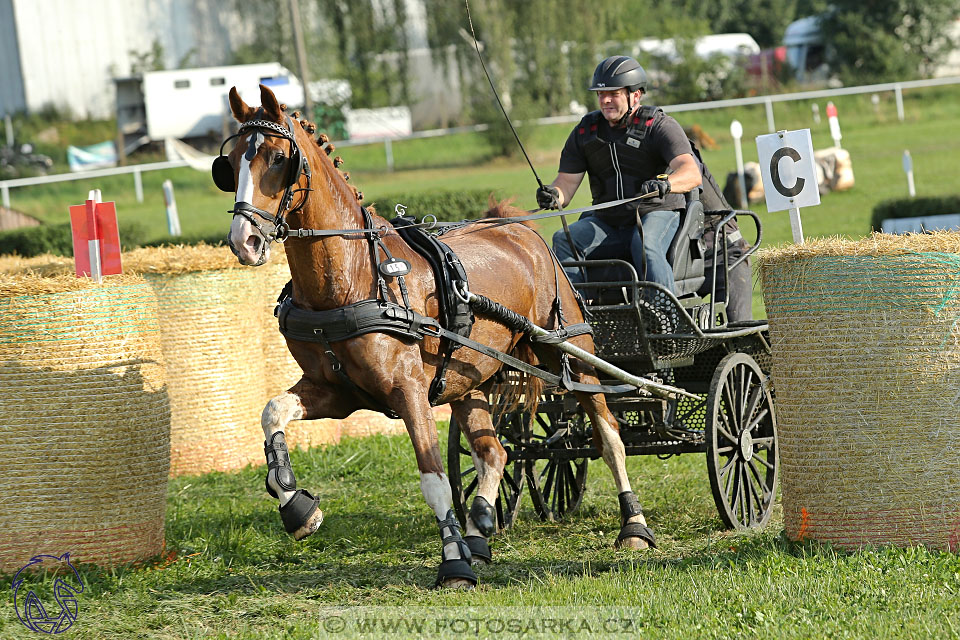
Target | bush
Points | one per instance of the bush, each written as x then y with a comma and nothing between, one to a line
447,206
214,240
57,239
913,208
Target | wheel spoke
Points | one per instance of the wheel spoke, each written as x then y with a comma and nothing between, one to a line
724,450
729,394
766,463
760,481
758,419
744,374
763,443
726,434
756,394
733,494
748,496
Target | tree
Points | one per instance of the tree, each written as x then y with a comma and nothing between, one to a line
888,40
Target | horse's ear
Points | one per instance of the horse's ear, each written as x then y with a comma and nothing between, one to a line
239,108
269,103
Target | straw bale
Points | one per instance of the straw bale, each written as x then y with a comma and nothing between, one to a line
212,343
866,345
43,265
180,259
86,420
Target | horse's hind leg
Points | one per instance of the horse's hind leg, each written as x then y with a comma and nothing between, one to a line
489,457
634,532
299,510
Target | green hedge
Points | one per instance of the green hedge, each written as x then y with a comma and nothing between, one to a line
58,240
447,206
913,208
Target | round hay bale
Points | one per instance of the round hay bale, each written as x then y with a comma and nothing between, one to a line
212,338
866,346
86,420
281,370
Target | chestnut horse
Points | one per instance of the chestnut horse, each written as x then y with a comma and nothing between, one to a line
282,179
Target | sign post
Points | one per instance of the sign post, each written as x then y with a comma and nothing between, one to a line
96,239
834,124
736,130
908,169
170,200
789,174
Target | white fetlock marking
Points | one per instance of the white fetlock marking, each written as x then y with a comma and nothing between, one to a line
275,417
614,455
436,491
488,484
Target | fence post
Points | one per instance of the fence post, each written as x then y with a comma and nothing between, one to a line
768,103
898,90
388,147
6,195
138,184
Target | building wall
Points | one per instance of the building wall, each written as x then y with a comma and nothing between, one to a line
11,84
70,51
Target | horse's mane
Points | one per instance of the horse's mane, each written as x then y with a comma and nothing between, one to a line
323,141
505,209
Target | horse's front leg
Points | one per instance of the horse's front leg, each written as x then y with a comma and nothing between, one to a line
299,509
634,532
472,413
408,397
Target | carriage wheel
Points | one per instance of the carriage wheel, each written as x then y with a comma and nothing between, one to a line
463,480
741,434
556,483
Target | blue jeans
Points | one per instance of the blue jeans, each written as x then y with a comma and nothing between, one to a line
597,240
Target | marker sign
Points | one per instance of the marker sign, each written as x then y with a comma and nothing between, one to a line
789,174
96,240
908,169
834,123
736,131
788,170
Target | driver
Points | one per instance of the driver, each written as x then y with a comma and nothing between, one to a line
625,155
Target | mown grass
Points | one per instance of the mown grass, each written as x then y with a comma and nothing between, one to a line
236,574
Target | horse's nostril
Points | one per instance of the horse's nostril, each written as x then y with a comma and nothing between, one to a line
254,243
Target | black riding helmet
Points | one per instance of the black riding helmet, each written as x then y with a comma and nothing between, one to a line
619,72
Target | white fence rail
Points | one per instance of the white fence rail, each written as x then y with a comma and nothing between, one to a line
767,101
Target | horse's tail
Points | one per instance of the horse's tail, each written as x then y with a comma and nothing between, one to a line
523,390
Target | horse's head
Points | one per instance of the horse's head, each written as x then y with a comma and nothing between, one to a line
265,170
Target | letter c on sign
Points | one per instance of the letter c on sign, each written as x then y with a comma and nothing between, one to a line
791,153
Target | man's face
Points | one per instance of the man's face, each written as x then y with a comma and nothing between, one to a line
614,104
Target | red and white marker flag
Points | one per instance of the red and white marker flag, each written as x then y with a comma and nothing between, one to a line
96,239
834,124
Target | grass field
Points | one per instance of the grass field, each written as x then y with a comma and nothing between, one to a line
232,572
236,574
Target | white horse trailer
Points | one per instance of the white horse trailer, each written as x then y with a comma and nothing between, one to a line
190,103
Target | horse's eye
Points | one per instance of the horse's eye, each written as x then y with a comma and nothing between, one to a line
278,159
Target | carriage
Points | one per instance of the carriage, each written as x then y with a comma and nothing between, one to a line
684,340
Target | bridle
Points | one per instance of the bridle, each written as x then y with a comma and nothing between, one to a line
272,226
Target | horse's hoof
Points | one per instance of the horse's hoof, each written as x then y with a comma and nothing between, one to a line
633,542
458,583
310,526
479,550
484,516
301,516
635,535
455,574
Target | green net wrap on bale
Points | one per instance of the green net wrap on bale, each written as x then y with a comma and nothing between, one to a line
866,346
86,419
212,339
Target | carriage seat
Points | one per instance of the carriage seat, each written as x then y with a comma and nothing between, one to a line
687,251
